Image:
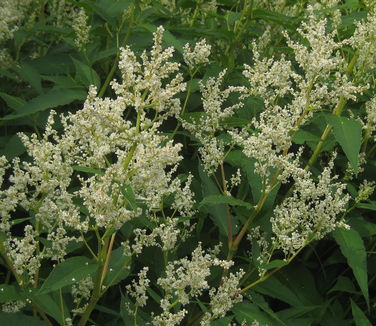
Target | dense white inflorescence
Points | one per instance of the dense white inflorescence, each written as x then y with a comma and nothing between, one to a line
81,28
199,55
187,279
310,213
207,126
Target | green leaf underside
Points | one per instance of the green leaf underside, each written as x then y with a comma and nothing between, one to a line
49,100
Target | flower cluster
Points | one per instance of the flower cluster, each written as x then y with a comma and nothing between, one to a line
138,290
310,213
364,41
142,84
187,278
223,298
81,294
127,164
198,55
207,127
269,137
13,13
81,29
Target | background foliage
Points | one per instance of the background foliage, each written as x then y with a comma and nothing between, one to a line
330,282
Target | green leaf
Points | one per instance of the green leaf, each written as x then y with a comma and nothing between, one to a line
86,75
371,205
13,148
110,231
15,103
110,10
31,75
10,293
87,169
343,284
107,310
171,40
51,307
221,199
118,268
232,122
349,135
128,193
19,319
260,301
275,263
352,247
303,136
100,55
67,273
238,159
50,64
20,220
294,284
250,312
364,227
274,17
359,316
61,81
218,212
295,313
49,100
225,321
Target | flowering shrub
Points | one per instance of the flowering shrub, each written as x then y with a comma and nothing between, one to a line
187,163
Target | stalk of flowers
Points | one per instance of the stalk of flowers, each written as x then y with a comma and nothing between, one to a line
312,224
123,155
272,134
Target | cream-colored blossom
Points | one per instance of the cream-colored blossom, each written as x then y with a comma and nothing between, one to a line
206,128
310,213
198,55
81,292
223,298
23,253
81,28
13,306
142,84
366,189
187,278
363,41
138,289
291,97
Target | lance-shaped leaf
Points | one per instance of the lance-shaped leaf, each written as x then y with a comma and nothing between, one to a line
349,135
68,272
352,247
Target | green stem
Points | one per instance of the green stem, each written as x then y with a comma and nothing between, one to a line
229,217
103,252
268,275
184,105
